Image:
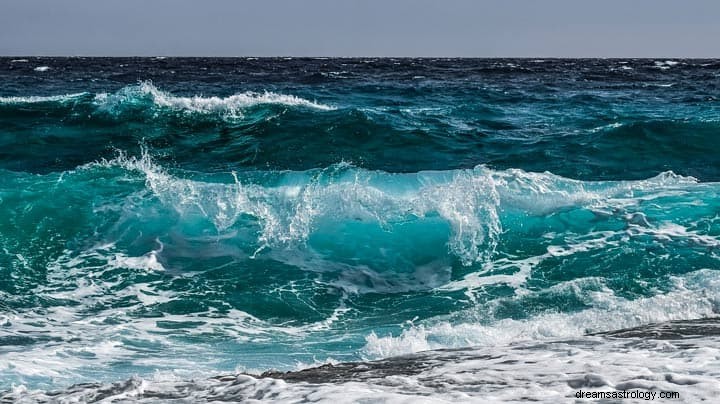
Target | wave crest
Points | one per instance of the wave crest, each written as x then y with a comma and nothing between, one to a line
230,107
463,207
36,99
146,97
292,206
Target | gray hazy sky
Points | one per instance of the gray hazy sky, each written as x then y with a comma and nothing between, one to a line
485,28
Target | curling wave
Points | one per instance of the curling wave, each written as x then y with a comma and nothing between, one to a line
476,257
461,212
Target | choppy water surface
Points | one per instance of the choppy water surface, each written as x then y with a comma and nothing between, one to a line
166,220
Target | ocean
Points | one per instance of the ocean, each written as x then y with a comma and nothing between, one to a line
358,229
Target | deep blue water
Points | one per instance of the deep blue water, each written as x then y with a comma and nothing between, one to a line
208,215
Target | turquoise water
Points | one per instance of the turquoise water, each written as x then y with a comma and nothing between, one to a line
201,216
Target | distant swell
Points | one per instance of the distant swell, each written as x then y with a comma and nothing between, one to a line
230,107
285,131
148,97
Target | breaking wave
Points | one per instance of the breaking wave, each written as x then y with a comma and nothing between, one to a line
145,96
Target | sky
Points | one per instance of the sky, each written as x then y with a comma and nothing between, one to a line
470,28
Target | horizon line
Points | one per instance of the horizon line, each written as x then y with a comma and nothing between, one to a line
363,57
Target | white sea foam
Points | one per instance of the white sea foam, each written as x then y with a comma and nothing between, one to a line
42,68
696,295
113,334
613,125
148,261
665,64
549,372
82,342
40,99
230,107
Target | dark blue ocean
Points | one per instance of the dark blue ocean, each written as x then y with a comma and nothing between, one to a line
164,221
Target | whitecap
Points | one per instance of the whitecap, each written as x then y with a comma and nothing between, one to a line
231,106
40,98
